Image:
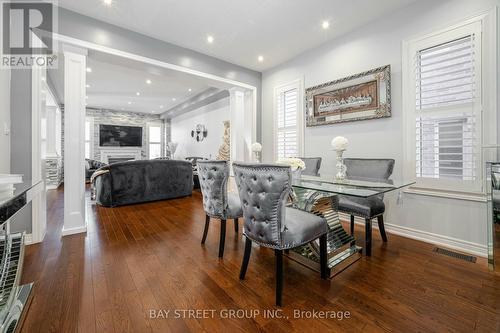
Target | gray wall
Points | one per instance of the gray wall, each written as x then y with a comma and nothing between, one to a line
20,143
448,220
85,28
4,120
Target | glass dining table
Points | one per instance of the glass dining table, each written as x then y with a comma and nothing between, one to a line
319,195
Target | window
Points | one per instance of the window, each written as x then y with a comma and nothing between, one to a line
444,109
88,125
288,120
154,137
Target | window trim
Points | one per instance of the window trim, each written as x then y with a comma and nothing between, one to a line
487,105
295,84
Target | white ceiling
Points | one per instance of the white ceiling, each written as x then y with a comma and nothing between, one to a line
242,30
114,83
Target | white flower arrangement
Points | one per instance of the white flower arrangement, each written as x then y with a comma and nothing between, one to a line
294,163
256,147
339,143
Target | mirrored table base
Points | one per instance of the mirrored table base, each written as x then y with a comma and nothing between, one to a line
342,248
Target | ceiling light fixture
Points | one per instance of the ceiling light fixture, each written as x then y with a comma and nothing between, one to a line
190,89
325,25
129,103
173,99
138,93
87,85
210,39
148,81
89,70
260,58
107,2
161,106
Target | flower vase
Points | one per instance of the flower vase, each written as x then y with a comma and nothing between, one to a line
296,174
341,168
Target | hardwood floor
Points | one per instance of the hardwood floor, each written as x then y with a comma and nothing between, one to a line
148,256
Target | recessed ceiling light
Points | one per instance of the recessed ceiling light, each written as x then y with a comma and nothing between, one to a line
161,106
107,2
190,89
173,99
89,70
210,39
87,85
148,81
129,103
43,78
325,24
138,93
260,58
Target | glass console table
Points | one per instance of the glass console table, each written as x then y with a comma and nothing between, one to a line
14,298
319,196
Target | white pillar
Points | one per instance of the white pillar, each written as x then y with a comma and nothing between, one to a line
237,109
242,124
50,115
74,140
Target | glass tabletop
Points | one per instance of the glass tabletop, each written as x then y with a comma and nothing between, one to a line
359,187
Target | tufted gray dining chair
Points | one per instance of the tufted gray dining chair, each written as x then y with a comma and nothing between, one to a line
264,190
217,202
313,164
367,208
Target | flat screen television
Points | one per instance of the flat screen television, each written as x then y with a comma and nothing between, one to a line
120,136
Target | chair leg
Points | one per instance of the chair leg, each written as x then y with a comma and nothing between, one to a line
279,276
368,237
352,225
246,258
323,256
381,227
205,232
235,226
222,237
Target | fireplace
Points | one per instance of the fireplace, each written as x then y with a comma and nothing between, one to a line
114,155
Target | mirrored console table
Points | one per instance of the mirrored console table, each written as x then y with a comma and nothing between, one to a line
492,185
14,298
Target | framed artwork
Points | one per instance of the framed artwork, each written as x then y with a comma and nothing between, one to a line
358,97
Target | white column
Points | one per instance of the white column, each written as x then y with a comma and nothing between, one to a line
237,110
74,140
242,124
50,115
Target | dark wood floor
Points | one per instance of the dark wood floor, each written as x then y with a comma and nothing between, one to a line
148,256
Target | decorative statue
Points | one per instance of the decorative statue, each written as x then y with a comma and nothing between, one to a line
225,148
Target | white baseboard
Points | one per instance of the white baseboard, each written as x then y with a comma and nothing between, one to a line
72,231
28,239
428,237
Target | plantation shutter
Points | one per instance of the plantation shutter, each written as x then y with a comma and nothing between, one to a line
446,117
287,132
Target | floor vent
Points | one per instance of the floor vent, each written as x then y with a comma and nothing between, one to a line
454,254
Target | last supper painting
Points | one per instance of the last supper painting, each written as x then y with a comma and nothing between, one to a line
357,97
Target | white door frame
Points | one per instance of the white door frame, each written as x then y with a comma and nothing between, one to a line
112,51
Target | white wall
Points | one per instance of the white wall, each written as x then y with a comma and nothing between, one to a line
454,222
212,116
4,120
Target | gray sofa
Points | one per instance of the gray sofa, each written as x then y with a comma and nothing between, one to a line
134,182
